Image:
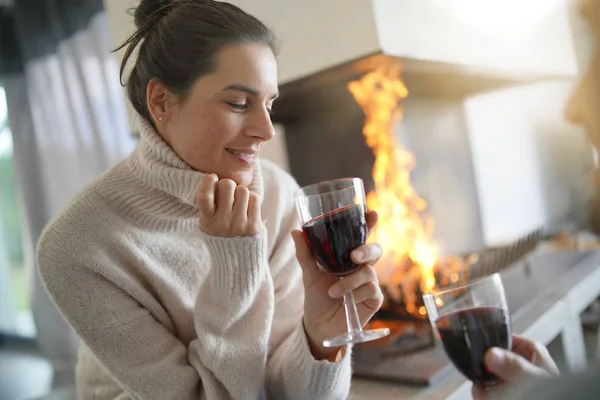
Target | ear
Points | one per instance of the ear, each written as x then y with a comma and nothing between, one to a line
157,97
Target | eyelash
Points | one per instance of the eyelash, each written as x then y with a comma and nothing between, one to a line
238,106
244,107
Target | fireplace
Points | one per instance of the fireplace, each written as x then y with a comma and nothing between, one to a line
440,61
399,124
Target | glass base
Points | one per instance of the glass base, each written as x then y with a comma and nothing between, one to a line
356,337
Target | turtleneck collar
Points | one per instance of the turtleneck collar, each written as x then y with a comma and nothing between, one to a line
156,164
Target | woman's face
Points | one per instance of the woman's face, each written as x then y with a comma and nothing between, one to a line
584,107
221,125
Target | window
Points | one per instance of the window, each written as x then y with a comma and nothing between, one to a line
17,319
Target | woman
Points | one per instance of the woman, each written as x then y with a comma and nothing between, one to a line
177,268
528,372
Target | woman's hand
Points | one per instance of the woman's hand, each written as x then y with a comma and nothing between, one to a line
227,209
324,314
517,369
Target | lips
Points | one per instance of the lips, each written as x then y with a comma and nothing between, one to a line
247,156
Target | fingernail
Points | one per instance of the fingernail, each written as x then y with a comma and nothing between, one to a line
495,358
359,255
335,292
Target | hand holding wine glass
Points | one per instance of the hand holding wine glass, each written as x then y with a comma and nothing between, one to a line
335,228
518,369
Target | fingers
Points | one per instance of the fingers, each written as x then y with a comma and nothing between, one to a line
205,197
253,208
367,254
353,281
224,195
226,209
310,269
510,366
523,347
534,352
478,392
370,294
544,360
372,217
240,203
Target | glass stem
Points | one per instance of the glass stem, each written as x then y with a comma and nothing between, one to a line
352,319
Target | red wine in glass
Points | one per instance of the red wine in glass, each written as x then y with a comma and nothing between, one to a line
332,215
332,237
466,335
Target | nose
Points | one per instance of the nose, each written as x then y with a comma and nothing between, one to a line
261,125
576,106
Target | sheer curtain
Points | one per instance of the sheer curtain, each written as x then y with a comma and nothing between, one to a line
68,118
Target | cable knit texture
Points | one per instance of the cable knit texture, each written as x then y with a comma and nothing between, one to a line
165,311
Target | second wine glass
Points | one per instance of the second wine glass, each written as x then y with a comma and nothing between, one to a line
469,320
333,220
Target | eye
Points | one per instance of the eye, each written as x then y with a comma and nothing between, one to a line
239,106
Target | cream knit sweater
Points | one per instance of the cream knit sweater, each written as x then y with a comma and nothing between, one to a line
165,311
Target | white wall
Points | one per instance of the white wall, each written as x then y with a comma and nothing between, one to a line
316,34
532,36
530,165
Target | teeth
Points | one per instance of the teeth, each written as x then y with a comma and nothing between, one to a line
245,156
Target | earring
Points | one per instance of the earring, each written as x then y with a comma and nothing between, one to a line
160,118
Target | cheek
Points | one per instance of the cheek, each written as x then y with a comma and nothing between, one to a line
206,134
217,126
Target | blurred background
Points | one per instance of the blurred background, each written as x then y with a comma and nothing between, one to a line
480,148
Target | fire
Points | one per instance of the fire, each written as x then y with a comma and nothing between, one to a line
403,231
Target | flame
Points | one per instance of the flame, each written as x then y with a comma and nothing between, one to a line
403,231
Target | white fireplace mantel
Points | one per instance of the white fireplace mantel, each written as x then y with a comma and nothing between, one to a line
531,37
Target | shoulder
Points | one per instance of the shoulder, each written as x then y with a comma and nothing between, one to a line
81,228
76,227
71,250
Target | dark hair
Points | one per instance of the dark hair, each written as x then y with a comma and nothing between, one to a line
180,40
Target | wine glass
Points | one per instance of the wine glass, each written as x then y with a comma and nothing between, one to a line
469,320
333,220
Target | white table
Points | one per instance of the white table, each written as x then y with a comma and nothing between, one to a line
554,311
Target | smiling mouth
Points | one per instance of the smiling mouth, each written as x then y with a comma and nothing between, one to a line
247,157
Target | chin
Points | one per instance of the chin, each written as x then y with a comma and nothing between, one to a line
241,178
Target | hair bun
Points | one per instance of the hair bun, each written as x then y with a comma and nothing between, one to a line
151,10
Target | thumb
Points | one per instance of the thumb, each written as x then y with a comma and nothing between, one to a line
310,269
509,366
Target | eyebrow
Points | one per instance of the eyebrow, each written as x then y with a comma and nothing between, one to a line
239,87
